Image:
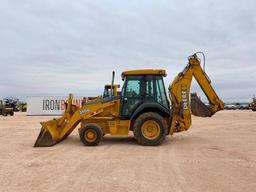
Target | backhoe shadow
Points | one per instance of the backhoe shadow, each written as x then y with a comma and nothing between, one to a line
108,140
74,140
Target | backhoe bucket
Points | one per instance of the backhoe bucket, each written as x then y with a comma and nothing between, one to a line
198,108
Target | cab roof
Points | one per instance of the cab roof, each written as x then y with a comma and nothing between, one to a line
161,72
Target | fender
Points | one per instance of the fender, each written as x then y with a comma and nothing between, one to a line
153,107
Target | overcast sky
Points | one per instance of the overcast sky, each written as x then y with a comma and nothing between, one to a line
50,47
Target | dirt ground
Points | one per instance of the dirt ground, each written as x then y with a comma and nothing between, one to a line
216,154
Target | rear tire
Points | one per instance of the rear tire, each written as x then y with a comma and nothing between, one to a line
4,113
91,134
150,129
11,113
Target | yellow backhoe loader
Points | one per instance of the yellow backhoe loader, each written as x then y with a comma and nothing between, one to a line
141,107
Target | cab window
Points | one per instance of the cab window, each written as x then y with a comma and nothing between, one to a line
132,94
160,92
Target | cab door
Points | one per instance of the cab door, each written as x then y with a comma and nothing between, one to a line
132,95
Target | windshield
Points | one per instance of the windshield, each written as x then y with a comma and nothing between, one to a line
106,92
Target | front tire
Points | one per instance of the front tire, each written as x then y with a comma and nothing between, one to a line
150,129
91,135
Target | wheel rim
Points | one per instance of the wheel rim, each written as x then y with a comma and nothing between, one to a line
90,135
150,129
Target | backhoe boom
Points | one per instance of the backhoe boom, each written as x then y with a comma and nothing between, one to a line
179,93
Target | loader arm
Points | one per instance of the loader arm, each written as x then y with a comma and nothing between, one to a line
179,93
56,130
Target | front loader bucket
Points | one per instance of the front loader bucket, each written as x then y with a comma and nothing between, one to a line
44,139
50,133
198,108
56,130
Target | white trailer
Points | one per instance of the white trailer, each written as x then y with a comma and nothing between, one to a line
49,105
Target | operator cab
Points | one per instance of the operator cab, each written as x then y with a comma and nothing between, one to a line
142,90
107,91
